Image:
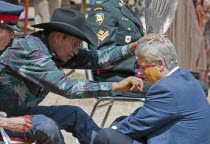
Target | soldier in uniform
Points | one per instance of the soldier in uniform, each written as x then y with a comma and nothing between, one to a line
116,25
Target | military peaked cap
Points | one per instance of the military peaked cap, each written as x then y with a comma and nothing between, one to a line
9,15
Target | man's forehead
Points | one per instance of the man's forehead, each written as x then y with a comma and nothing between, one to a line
75,39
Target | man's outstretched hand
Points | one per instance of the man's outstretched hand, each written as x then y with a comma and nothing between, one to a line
148,37
128,84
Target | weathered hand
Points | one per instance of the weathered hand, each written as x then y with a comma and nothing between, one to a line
148,37
18,124
128,84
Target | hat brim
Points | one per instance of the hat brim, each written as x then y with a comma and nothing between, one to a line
15,27
87,34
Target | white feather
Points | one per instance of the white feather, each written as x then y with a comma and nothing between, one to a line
159,15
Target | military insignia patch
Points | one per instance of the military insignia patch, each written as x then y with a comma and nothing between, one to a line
99,18
127,39
102,35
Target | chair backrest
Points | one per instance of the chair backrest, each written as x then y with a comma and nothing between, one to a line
88,73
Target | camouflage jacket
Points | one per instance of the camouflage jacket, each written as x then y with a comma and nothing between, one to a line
29,70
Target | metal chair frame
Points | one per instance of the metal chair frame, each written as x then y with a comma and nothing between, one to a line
89,76
110,103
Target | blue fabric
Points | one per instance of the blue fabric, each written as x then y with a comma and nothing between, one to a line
92,2
7,8
110,136
49,120
22,17
176,111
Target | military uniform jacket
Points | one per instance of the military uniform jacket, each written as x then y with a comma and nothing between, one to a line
116,25
29,70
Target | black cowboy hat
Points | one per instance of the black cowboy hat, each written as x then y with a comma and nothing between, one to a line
70,22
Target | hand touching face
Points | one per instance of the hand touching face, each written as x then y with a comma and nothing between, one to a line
150,72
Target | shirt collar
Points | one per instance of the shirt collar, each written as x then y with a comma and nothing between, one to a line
172,71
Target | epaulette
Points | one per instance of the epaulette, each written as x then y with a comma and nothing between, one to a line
99,5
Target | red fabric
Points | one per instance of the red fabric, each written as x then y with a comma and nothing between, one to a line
7,17
100,71
198,14
27,117
19,140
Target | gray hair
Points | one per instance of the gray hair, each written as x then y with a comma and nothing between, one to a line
153,50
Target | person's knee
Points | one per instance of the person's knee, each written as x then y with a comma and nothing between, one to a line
44,123
103,136
108,135
45,130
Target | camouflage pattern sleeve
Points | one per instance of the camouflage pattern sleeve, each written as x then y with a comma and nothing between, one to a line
97,59
31,59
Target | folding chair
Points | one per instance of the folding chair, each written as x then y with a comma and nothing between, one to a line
11,140
110,100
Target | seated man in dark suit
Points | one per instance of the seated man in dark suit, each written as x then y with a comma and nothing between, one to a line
176,110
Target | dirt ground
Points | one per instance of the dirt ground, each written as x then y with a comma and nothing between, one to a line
118,109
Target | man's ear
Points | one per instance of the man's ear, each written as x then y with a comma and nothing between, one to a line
161,64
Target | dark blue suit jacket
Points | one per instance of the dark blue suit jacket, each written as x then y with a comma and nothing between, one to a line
176,111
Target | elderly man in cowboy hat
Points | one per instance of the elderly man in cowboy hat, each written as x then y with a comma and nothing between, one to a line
9,14
29,70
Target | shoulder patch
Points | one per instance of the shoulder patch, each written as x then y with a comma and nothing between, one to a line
102,35
99,18
98,8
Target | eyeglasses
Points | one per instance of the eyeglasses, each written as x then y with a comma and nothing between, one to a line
143,68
